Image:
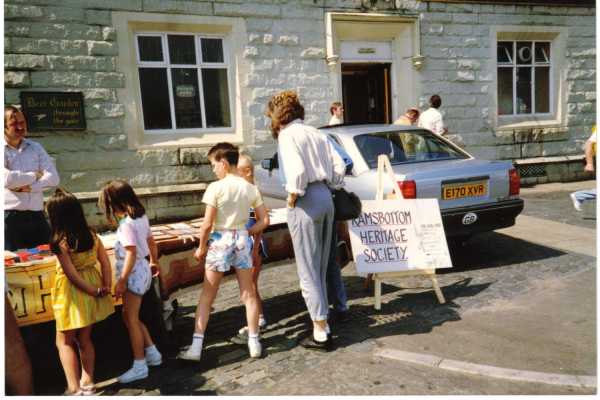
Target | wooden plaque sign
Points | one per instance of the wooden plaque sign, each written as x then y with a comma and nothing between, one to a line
53,110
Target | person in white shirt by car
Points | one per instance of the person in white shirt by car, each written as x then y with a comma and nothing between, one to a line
28,172
336,111
432,119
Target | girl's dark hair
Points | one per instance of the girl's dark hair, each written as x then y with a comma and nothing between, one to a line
67,223
117,197
283,108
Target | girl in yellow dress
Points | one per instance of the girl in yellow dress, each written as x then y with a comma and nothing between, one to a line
81,295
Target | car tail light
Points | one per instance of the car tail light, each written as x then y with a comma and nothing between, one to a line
515,185
408,189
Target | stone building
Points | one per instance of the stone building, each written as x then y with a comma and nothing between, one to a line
163,80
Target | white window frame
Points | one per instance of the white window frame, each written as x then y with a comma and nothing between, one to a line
514,64
199,66
558,36
126,23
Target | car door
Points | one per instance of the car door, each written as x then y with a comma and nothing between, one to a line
273,192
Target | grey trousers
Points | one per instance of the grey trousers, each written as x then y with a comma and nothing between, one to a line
310,224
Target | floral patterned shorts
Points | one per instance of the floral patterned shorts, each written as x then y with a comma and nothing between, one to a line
226,248
140,278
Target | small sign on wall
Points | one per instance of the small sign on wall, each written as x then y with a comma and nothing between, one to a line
53,110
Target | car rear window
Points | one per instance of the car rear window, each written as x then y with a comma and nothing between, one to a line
404,147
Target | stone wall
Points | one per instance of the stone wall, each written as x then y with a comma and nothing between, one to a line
70,45
455,40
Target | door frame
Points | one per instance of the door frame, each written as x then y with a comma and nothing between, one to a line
403,33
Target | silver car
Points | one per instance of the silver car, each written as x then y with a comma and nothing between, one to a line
473,195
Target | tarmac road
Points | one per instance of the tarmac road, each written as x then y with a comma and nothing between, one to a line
519,318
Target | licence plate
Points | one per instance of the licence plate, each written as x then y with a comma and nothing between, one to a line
460,192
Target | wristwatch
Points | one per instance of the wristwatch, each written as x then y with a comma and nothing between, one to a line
290,204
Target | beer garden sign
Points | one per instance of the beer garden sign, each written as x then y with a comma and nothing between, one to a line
53,110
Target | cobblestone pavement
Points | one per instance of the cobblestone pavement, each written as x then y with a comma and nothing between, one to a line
492,267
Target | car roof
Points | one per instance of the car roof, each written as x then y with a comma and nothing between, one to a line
360,129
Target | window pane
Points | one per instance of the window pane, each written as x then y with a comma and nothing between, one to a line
182,49
542,90
150,48
524,53
212,51
542,52
186,97
505,52
155,98
216,98
524,90
505,91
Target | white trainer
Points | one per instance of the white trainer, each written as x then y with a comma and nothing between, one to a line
255,348
576,203
133,375
153,359
190,354
261,322
241,337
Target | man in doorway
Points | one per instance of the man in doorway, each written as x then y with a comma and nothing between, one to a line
411,116
28,171
432,119
336,111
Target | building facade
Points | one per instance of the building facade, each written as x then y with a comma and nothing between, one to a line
163,80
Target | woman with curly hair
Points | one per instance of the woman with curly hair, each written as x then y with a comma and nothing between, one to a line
312,167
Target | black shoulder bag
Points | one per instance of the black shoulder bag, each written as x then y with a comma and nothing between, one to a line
347,205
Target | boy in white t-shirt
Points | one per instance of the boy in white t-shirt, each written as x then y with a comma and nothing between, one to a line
336,111
228,203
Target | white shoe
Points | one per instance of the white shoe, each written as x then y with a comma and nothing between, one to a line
133,375
255,348
261,322
153,359
576,203
191,354
241,337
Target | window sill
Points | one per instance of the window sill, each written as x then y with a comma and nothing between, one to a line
179,140
527,122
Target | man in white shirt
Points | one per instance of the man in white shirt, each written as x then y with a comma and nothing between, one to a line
336,111
28,171
432,119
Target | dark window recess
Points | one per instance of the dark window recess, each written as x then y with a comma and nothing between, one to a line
181,49
155,98
187,98
150,48
532,170
216,98
212,51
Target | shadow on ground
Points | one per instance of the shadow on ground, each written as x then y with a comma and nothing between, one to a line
493,250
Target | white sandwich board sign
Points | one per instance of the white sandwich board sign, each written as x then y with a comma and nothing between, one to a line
399,235
396,237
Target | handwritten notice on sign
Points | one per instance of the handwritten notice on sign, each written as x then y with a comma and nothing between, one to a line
393,236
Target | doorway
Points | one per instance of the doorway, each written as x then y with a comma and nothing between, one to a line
366,91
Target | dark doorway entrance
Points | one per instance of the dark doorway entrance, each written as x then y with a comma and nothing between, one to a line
366,89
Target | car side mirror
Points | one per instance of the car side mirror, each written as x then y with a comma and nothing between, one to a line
271,163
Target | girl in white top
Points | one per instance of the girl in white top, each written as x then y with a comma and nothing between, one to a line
312,167
134,273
